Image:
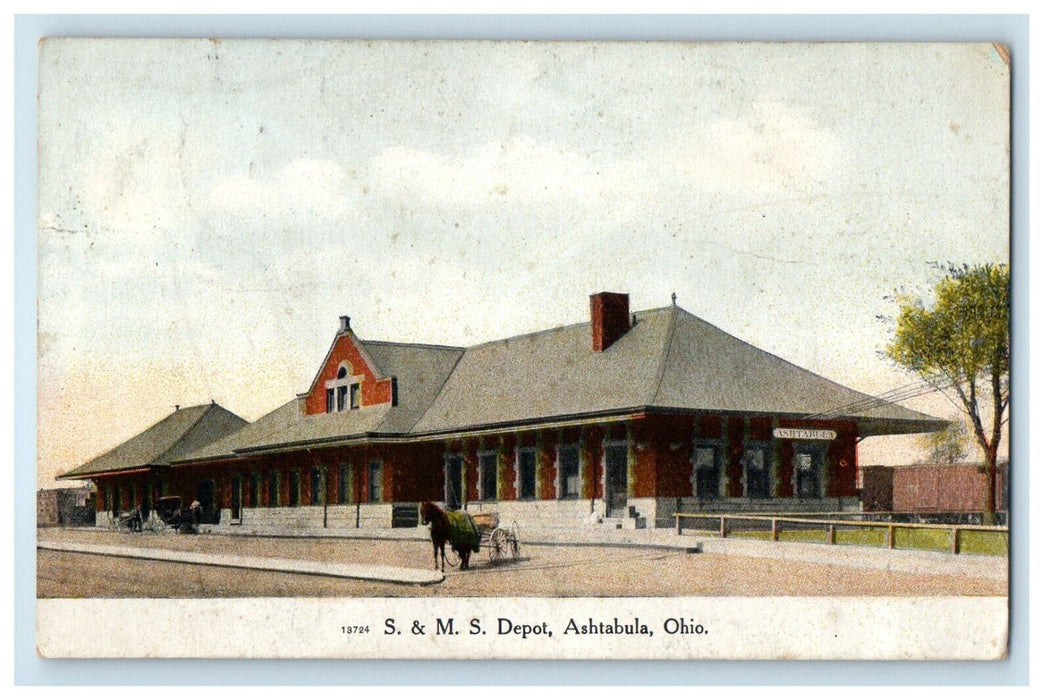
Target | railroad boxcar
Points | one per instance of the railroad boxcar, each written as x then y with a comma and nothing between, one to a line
930,489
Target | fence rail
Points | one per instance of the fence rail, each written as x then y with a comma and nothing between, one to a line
831,529
875,515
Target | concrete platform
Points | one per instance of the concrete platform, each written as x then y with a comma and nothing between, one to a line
872,558
562,537
366,572
900,560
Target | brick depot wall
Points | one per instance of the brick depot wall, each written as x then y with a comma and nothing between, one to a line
733,470
506,471
546,470
659,469
417,473
121,493
591,464
664,447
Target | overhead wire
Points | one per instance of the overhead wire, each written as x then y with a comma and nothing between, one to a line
902,393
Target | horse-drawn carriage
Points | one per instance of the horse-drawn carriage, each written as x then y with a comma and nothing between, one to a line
469,532
131,519
502,542
173,515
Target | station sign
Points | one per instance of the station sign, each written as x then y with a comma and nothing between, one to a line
804,434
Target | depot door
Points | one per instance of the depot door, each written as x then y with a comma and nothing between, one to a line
453,482
235,504
616,479
206,497
807,462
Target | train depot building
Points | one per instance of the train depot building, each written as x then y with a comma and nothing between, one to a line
624,419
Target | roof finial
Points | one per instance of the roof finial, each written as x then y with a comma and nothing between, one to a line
176,407
673,298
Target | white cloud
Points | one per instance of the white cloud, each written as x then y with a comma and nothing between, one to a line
520,171
135,184
304,187
777,148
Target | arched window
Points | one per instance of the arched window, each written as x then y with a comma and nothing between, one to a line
342,393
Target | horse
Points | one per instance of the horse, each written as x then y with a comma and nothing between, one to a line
442,532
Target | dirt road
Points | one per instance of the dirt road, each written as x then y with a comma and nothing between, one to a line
542,571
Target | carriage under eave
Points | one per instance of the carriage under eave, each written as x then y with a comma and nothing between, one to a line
173,515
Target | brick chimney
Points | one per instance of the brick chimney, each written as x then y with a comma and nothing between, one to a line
344,324
609,319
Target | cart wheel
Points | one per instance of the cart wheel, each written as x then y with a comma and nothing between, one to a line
516,538
498,545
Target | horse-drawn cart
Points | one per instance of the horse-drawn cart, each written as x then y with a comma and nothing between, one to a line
468,532
173,515
131,520
502,542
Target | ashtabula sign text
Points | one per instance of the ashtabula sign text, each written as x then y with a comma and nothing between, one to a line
804,434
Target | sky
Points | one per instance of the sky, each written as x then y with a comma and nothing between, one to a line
208,209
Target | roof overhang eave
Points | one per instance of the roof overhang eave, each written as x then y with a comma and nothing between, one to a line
866,427
535,423
337,441
873,427
109,472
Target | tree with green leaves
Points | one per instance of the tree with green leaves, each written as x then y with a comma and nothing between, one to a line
945,446
961,346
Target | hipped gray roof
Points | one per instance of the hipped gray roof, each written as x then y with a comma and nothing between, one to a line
172,439
551,374
668,360
420,370
705,367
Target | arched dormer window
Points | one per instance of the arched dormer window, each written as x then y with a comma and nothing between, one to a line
343,392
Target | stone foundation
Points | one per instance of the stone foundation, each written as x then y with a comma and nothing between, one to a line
570,514
365,515
550,514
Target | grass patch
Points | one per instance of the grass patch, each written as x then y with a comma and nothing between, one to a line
931,540
862,537
813,535
983,542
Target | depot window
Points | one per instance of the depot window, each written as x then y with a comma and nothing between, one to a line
342,393
295,491
569,471
487,476
255,483
344,483
707,469
756,463
274,494
526,474
375,481
317,486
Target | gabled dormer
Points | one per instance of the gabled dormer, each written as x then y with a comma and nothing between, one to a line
349,379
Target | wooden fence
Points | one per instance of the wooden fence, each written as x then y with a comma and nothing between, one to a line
831,529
